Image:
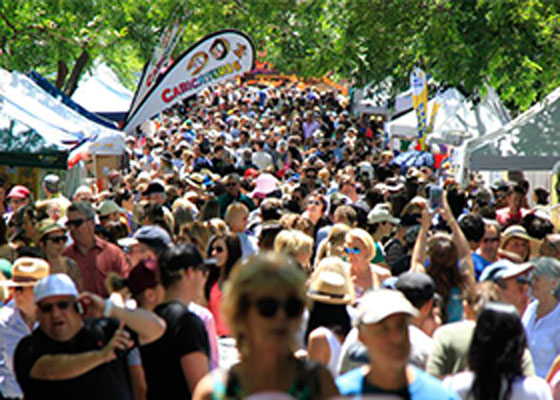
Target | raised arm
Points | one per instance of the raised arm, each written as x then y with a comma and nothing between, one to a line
463,248
54,367
418,260
146,324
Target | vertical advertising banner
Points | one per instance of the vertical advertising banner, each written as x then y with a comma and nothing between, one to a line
160,61
419,86
218,57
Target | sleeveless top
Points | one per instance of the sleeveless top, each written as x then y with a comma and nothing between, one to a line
335,349
227,385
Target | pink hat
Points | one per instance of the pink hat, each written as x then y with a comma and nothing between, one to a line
19,192
264,185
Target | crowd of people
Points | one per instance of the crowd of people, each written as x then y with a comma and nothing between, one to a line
265,242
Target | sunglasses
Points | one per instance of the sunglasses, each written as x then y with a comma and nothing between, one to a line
48,307
523,280
76,223
352,250
218,249
490,240
269,306
57,239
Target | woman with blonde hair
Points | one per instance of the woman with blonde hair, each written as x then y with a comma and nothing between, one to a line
333,245
263,304
197,233
296,244
360,250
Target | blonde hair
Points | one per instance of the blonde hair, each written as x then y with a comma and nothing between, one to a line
217,226
293,242
261,272
198,232
335,238
234,210
366,239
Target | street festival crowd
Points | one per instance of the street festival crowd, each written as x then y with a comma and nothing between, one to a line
263,243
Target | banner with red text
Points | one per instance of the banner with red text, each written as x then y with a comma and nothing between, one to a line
216,58
161,59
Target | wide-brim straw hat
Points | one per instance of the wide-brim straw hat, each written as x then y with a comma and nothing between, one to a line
330,287
27,271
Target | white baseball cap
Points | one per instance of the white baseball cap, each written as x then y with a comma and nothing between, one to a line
379,304
55,285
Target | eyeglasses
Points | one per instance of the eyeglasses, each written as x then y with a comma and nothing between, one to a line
218,249
57,239
268,306
490,240
352,250
75,223
48,307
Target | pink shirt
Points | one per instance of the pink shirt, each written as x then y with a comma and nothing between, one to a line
96,264
214,305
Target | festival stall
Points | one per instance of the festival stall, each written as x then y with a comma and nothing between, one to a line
101,92
40,131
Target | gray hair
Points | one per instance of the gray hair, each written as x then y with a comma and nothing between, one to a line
83,207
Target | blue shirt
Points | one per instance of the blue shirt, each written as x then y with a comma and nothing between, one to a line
424,386
12,329
479,263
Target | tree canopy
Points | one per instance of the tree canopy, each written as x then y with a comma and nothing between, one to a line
511,45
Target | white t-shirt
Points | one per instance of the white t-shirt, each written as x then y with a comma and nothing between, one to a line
523,388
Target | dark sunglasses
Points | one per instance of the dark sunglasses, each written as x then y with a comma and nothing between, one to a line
268,306
490,240
76,223
523,280
61,305
350,250
218,249
57,239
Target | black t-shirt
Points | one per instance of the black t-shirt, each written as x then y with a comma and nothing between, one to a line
161,359
107,381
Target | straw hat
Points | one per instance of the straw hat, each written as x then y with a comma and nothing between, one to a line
331,284
27,271
46,226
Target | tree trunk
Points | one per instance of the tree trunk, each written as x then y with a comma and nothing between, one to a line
72,82
62,72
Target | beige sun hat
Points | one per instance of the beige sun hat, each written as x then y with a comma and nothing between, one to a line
331,283
27,271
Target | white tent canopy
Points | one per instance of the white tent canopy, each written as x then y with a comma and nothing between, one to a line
101,91
456,120
34,106
529,142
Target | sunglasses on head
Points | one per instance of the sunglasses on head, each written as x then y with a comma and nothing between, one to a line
352,250
57,239
269,306
48,307
76,223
